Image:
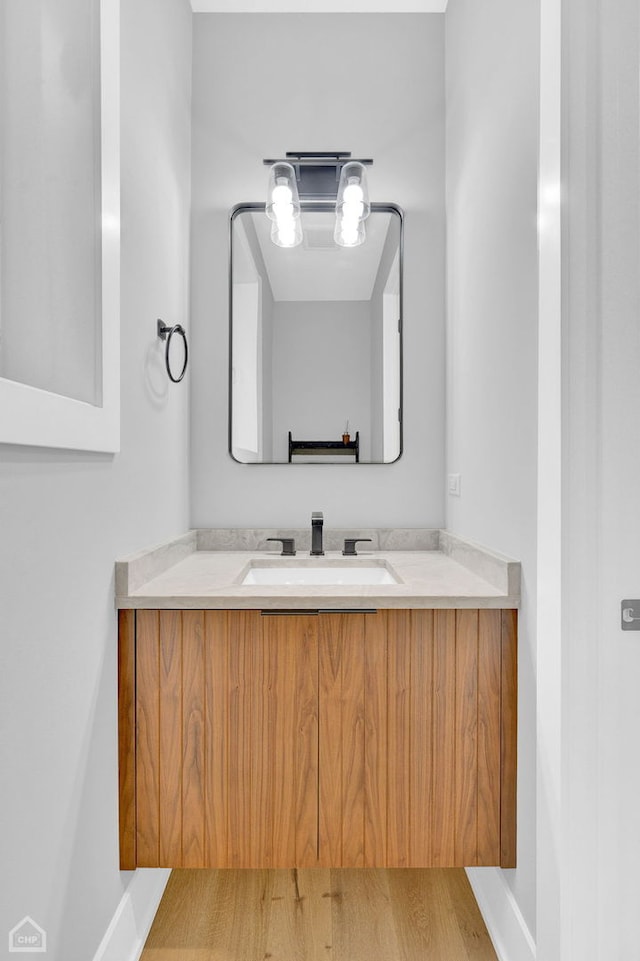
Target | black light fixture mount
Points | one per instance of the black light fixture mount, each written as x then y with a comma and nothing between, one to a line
318,172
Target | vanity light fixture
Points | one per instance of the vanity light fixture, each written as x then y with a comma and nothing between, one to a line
283,206
287,232
352,205
331,177
348,232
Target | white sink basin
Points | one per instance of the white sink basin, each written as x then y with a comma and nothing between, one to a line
310,574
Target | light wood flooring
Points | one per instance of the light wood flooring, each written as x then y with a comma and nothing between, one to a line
319,915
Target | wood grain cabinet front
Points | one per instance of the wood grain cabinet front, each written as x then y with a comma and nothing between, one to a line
333,740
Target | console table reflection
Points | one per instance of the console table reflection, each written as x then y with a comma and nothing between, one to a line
331,448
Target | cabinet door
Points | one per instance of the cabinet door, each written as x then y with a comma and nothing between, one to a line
451,708
226,739
417,739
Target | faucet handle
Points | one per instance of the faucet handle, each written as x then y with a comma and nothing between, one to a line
288,545
350,545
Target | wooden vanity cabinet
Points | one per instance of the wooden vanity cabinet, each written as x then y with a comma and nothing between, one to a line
381,739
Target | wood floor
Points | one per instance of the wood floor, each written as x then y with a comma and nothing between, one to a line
319,915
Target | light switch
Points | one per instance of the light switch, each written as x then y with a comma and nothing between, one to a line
454,485
630,615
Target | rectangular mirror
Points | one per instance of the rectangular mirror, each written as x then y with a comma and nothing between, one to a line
315,361
59,223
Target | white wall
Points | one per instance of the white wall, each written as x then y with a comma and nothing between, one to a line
65,517
492,71
321,370
372,84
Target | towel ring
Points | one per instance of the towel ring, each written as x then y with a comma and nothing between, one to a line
166,333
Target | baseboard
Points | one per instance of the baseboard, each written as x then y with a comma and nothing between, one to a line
507,928
129,927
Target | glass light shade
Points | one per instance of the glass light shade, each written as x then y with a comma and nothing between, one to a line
287,233
349,233
283,202
353,193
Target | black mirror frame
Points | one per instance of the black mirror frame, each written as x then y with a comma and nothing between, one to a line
312,206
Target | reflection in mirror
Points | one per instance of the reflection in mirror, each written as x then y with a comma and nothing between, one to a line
315,341
50,197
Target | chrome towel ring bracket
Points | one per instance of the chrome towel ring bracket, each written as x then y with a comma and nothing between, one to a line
166,333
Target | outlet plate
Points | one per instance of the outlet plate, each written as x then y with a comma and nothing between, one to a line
453,484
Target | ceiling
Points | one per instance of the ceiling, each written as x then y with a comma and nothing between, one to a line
319,6
318,269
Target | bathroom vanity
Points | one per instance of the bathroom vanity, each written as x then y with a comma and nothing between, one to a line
333,725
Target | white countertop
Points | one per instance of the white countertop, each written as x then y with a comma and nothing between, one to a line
178,575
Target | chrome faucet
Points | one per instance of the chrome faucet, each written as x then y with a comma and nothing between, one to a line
316,533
